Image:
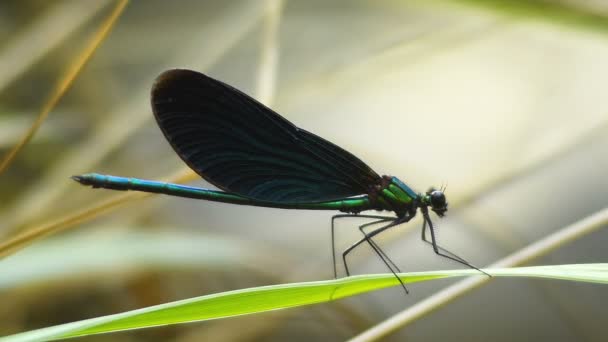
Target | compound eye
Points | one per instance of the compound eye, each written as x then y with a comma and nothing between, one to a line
438,199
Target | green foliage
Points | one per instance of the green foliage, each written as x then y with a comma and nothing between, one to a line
266,298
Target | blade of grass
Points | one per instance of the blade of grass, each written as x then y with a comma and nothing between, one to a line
266,298
66,81
445,296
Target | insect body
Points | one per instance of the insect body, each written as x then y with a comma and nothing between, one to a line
256,157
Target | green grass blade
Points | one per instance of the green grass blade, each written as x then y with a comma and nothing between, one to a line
266,298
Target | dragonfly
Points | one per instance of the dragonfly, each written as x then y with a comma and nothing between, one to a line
256,157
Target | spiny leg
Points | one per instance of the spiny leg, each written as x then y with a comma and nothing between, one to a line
438,249
333,244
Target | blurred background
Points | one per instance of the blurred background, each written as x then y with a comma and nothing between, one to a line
503,101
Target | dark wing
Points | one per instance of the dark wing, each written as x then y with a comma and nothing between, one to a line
242,146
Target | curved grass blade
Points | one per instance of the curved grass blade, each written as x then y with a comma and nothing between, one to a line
266,298
525,255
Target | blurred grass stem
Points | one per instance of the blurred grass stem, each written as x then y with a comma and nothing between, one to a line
66,81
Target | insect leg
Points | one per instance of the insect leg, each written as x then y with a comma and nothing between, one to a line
440,250
333,245
366,239
385,259
375,246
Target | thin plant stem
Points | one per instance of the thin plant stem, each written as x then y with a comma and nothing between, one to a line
30,235
66,81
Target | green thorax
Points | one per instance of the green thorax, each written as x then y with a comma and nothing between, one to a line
394,195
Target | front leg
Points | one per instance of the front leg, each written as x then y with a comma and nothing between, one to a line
438,249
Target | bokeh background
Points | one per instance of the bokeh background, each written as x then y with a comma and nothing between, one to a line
503,101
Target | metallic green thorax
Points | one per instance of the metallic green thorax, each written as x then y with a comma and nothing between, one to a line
393,195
